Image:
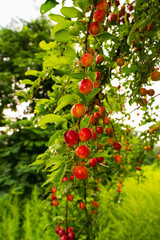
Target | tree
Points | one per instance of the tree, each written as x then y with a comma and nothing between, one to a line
94,43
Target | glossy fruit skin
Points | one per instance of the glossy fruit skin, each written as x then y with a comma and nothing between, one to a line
130,8
87,60
94,28
117,3
93,162
85,134
99,59
81,172
92,120
55,203
143,91
99,16
65,179
70,229
96,115
82,151
151,92
103,5
120,61
99,130
78,110
71,236
102,111
113,18
86,86
117,146
54,190
100,159
69,197
109,131
155,76
82,205
71,137
96,84
106,120
64,237
53,197
62,232
58,229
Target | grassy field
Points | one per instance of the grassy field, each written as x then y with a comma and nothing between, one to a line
135,217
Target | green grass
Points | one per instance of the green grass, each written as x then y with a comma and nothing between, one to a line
137,215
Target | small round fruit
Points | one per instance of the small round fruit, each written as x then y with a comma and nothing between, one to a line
78,110
62,232
71,236
82,205
151,92
54,190
96,84
100,159
69,197
143,91
94,136
110,141
149,148
102,111
87,60
93,162
155,76
145,147
158,156
92,120
99,76
86,86
70,229
99,16
113,18
81,172
99,130
72,177
118,158
94,29
97,115
65,179
55,203
138,168
82,151
99,59
120,61
58,228
103,5
71,137
117,3
117,146
130,8
53,197
106,120
64,237
109,131
85,134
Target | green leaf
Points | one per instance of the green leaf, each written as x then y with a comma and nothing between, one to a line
51,118
56,176
27,81
47,46
66,100
54,136
56,17
70,52
92,94
85,122
57,161
32,73
102,154
70,12
78,75
107,36
48,5
62,36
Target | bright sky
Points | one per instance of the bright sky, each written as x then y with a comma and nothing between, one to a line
30,9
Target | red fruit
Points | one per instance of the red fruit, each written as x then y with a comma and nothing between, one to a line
69,197
119,86
92,120
106,120
82,205
99,16
55,203
54,190
82,151
58,229
102,111
155,76
142,91
151,92
96,84
138,168
94,29
81,172
65,179
122,12
120,61
103,5
113,18
90,50
99,59
109,131
99,130
118,158
117,3
149,148
117,146
86,86
93,162
71,236
100,159
70,229
53,197
87,60
96,115
62,232
118,190
64,237
85,134
71,137
99,76
130,8
72,177
78,110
